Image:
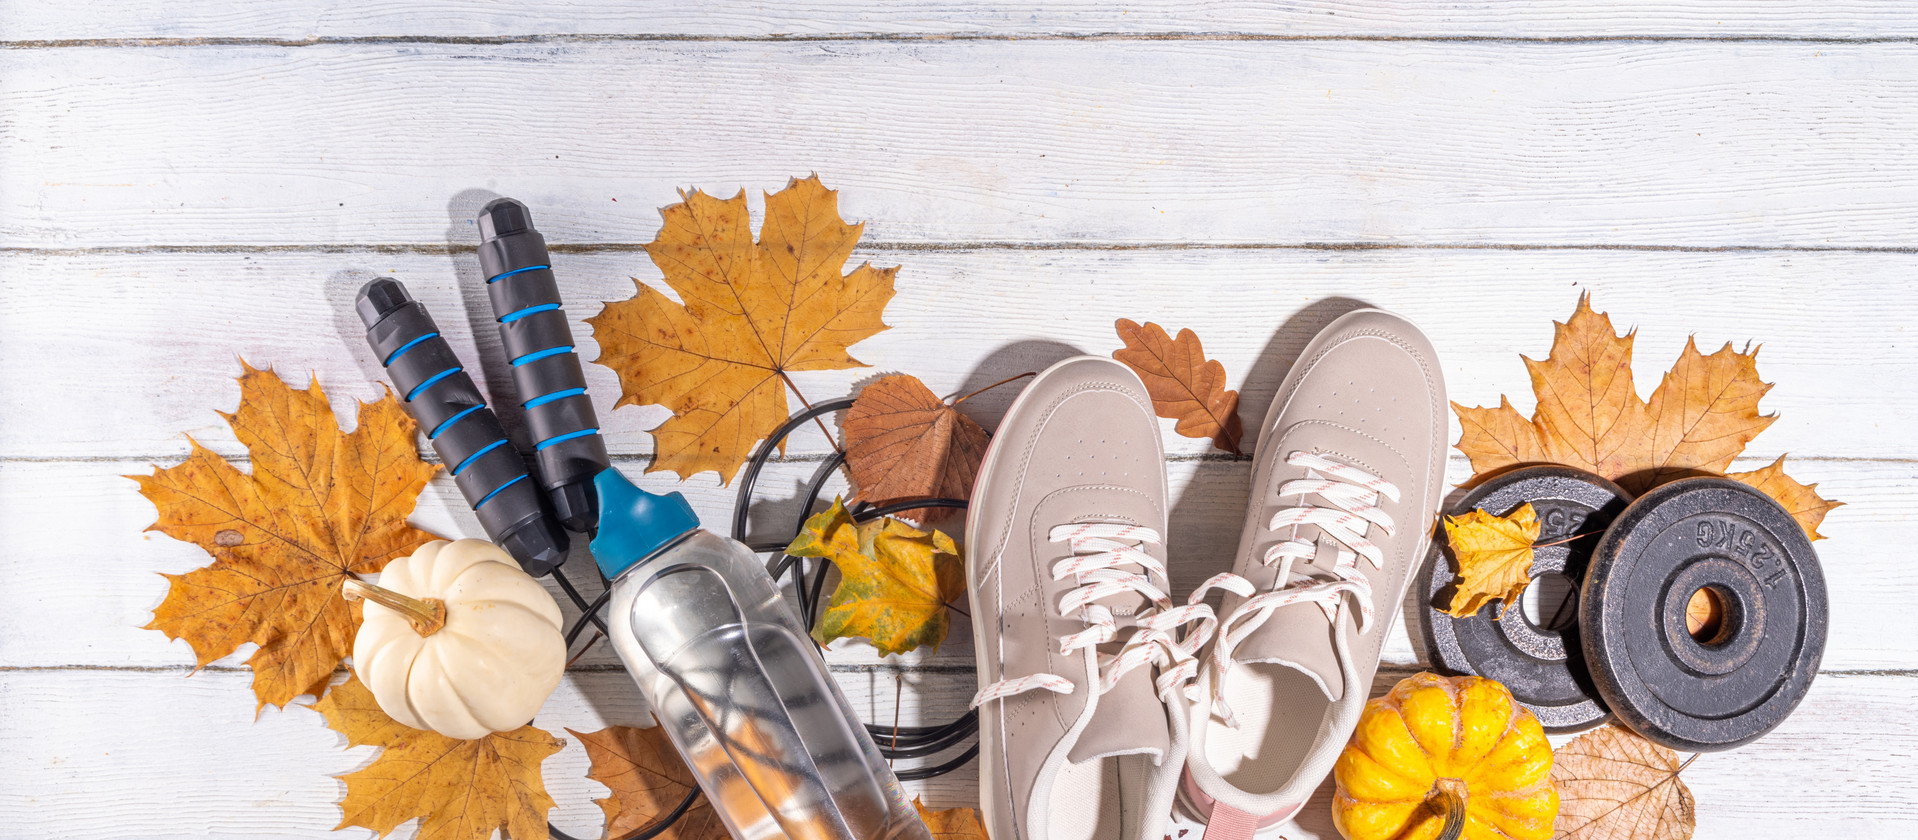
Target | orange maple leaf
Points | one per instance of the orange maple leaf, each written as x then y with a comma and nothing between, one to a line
648,780
459,790
320,505
1184,385
1589,415
750,314
903,442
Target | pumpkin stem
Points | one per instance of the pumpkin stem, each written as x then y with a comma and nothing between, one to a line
427,616
1450,797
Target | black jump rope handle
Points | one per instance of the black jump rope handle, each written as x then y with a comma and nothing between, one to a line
468,437
567,447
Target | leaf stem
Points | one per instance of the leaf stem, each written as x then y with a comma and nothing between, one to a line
955,403
816,421
426,615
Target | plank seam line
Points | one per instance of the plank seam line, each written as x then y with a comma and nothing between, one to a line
842,668
434,249
817,457
907,37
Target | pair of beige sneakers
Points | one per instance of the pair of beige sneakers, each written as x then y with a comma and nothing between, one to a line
1105,703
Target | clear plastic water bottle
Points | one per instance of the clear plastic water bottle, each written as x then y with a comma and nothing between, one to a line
735,681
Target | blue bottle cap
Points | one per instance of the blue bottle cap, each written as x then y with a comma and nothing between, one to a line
634,524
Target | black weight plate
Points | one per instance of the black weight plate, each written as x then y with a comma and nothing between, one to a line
1543,667
1732,688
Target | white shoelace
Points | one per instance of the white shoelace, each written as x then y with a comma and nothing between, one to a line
1100,551
1354,495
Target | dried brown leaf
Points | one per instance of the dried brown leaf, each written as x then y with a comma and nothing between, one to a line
903,442
1615,785
752,313
319,505
648,780
1184,385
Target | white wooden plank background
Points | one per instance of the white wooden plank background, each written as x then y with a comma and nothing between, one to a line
181,185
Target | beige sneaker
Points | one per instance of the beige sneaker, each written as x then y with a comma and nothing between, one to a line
1082,719
1348,474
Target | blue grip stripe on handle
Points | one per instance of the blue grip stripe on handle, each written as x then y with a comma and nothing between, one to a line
556,395
504,274
448,422
407,346
521,313
489,496
537,355
429,382
475,456
565,437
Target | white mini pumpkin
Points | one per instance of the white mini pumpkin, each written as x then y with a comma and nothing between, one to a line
471,645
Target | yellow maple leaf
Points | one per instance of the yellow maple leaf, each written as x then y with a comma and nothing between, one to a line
1701,416
648,779
1494,558
895,580
459,790
319,505
952,823
750,314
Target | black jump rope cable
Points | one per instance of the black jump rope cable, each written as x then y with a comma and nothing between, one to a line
895,742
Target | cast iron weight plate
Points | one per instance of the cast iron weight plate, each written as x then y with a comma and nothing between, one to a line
1731,688
1544,668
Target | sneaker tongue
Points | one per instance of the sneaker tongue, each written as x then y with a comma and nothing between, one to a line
1298,637
1129,719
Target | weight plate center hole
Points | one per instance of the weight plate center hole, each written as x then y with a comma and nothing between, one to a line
1707,617
1551,602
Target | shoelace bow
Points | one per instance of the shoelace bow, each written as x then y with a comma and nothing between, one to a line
1354,495
1100,553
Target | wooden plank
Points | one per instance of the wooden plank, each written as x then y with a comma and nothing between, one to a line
125,355
84,577
117,753
953,141
194,762
294,20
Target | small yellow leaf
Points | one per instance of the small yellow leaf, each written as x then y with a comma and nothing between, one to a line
952,823
1494,557
895,580
458,790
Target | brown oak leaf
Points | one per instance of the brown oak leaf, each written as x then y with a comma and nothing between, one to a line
648,780
895,581
1184,385
1589,415
318,506
458,790
903,442
1615,785
952,823
1494,558
749,315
